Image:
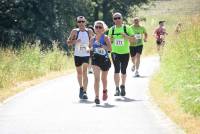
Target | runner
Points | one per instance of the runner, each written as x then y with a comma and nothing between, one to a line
80,38
137,46
160,34
100,45
178,29
120,36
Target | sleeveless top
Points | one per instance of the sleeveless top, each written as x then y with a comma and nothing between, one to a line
80,48
97,46
160,32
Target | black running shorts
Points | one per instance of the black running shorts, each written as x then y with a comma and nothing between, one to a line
135,49
101,61
80,60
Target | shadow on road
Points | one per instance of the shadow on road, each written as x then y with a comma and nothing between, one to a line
106,105
126,99
86,101
140,76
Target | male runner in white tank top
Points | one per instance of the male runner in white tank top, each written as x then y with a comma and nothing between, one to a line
80,38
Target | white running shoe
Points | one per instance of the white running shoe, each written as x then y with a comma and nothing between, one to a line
137,74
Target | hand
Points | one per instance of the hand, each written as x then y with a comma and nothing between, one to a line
87,49
78,41
104,47
125,35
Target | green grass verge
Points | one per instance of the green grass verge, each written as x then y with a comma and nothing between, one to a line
180,67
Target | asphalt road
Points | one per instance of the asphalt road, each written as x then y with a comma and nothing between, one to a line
53,107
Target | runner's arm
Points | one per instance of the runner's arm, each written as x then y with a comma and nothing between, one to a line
155,33
130,38
145,36
71,40
90,44
108,43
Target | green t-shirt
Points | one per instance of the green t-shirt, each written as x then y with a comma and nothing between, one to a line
138,33
119,44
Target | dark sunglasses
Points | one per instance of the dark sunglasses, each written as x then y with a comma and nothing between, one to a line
98,27
81,21
117,18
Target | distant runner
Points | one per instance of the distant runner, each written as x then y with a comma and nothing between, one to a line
159,34
136,47
80,38
179,28
100,45
120,36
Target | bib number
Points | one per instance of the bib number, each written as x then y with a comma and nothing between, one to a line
119,42
100,51
138,36
82,47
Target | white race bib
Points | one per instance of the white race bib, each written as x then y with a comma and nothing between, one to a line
82,47
138,36
119,42
100,51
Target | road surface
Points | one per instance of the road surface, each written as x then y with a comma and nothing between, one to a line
53,107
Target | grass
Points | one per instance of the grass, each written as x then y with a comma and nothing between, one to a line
169,103
184,76
28,64
176,87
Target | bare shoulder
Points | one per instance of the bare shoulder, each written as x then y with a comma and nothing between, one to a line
74,31
106,37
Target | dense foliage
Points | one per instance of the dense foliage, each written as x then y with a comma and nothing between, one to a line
49,20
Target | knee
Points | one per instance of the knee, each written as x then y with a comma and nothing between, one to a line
96,78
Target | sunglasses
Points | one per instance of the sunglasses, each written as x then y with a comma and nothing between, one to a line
98,27
81,21
117,18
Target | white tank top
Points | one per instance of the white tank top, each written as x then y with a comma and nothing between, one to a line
80,48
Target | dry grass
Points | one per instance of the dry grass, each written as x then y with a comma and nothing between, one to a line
6,93
168,102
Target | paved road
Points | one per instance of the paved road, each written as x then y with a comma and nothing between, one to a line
53,107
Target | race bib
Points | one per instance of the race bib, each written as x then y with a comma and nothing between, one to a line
119,42
82,47
100,51
138,36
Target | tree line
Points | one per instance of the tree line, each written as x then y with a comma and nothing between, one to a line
51,20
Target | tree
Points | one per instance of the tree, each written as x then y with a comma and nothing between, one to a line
49,20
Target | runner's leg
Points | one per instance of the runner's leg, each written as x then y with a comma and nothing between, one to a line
96,71
85,77
79,75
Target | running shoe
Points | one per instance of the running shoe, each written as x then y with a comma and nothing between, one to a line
84,96
97,101
123,92
137,74
105,95
90,71
81,93
117,93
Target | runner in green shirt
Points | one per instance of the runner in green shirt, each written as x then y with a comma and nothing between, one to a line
137,46
120,36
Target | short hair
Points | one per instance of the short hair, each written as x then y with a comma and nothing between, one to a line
161,21
117,13
80,17
136,18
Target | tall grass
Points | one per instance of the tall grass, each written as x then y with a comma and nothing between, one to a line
29,63
180,67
